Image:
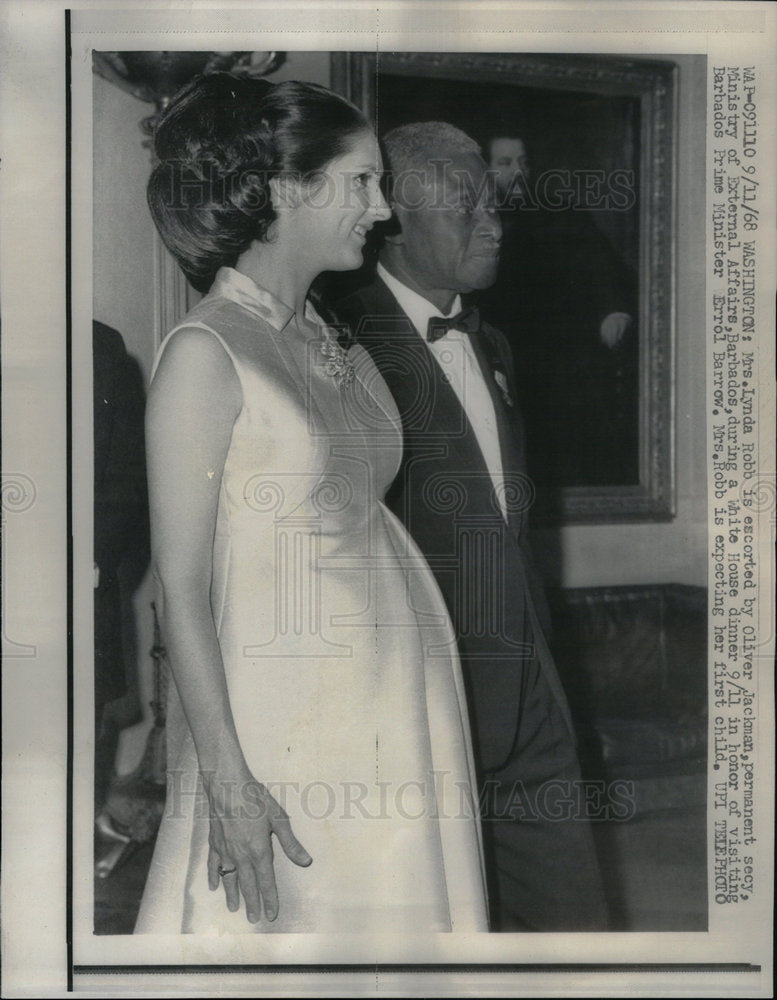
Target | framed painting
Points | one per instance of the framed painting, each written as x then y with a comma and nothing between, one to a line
582,151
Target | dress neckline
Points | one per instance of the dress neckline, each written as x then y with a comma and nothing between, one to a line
238,287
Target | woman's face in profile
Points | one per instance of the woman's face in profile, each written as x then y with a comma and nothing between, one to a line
343,203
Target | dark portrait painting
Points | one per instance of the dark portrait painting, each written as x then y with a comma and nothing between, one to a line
580,150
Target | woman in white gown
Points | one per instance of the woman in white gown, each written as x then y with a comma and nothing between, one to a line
317,696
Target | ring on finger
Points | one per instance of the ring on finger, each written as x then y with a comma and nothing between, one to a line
225,871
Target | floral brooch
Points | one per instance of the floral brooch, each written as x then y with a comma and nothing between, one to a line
336,361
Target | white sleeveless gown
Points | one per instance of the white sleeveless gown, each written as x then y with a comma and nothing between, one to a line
340,658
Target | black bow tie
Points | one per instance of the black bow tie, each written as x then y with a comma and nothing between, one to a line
467,320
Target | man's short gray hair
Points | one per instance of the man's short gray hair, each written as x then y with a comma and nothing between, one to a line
410,147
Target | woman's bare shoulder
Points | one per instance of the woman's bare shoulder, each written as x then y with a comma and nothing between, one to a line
195,361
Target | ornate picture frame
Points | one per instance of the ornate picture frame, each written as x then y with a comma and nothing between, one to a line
397,87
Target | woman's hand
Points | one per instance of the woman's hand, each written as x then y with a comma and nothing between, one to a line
243,817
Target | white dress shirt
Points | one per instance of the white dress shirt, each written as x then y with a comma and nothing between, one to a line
456,357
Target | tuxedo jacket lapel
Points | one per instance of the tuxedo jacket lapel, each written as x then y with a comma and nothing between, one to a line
386,330
511,442
510,436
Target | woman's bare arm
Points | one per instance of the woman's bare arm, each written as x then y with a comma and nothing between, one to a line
193,403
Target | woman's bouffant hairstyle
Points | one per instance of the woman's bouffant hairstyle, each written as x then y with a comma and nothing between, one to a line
218,146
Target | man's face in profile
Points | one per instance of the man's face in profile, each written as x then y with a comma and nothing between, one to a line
511,163
450,227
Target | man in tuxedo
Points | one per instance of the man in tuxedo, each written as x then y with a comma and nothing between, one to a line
463,494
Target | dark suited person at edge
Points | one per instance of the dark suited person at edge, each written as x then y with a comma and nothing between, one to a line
463,493
121,541
566,302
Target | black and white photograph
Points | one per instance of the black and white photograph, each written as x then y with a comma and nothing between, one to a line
416,455
587,767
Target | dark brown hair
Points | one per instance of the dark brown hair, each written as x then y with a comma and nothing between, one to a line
218,145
